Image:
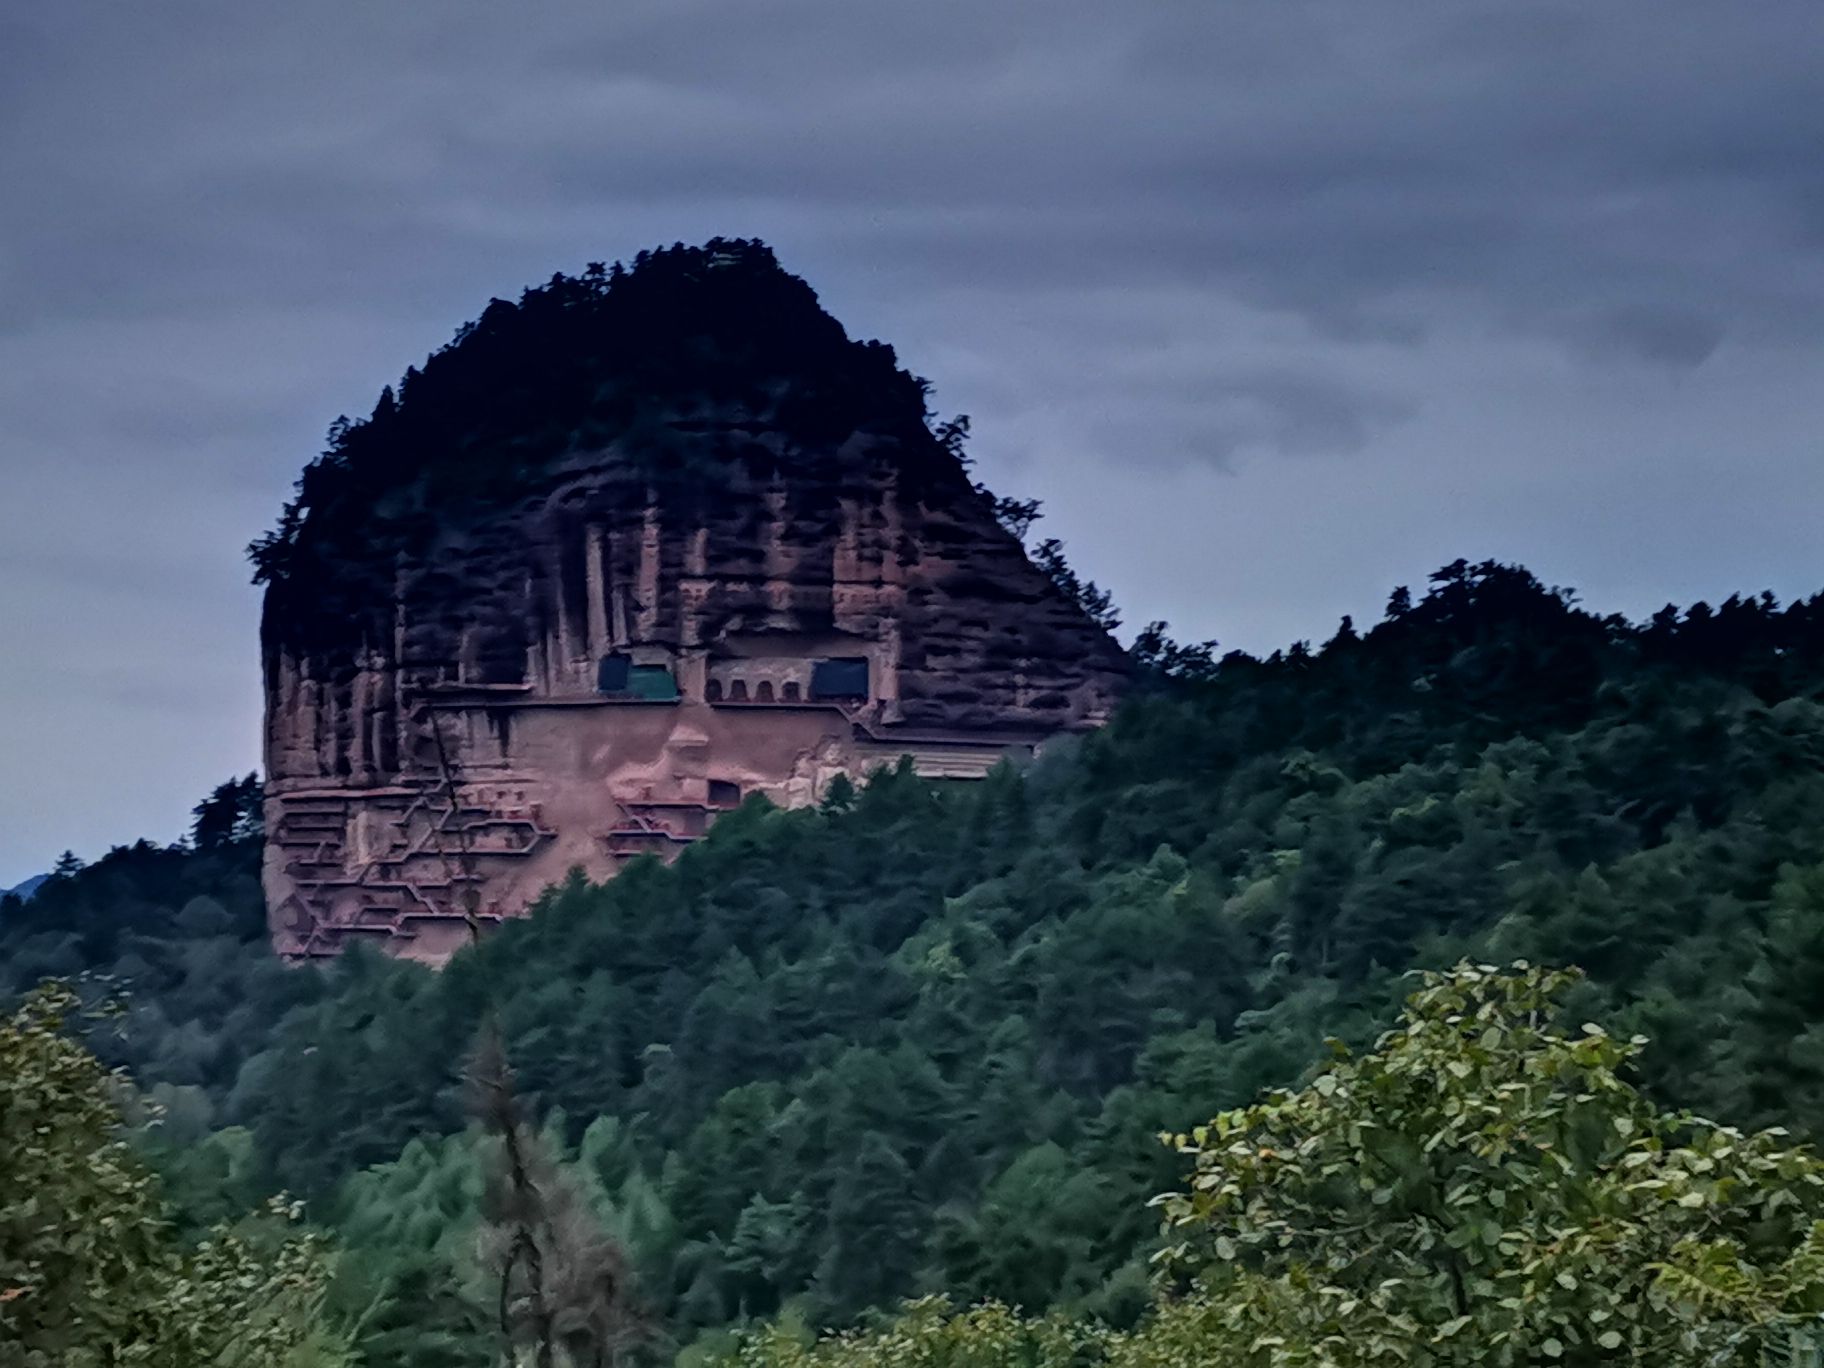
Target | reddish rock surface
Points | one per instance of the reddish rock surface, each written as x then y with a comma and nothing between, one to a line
470,693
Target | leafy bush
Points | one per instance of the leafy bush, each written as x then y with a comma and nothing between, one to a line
90,1274
1481,1188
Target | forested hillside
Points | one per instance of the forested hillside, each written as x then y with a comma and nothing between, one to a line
925,1037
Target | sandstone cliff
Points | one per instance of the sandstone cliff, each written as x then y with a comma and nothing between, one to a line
624,553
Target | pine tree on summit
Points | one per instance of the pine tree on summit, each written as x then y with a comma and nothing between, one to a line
1098,604
229,815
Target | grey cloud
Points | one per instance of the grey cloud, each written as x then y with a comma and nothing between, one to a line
1671,337
1388,153
1290,414
1380,269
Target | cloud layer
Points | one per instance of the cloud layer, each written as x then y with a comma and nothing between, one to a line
1276,303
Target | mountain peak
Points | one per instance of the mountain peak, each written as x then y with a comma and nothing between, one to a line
650,541
719,332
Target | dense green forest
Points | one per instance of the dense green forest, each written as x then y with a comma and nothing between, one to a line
924,1038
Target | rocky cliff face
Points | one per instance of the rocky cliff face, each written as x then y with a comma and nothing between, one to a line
622,555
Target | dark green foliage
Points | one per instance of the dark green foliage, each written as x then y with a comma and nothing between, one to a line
687,335
922,1037
1156,656
1485,1188
1097,603
91,1273
181,935
231,814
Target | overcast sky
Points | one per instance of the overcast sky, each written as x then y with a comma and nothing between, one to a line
1275,304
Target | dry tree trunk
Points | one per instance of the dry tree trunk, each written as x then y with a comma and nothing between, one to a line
565,1289
575,1293
513,1204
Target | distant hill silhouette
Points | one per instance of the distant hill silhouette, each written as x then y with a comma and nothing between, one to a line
24,889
